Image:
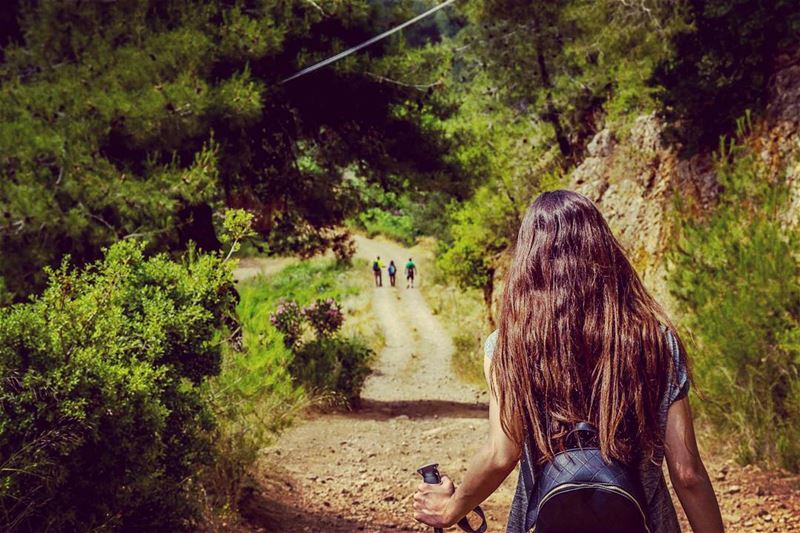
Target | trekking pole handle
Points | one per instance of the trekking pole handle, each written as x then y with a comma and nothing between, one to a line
430,475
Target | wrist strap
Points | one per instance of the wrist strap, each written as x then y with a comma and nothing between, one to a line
464,523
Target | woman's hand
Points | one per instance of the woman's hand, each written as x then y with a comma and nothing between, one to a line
442,505
431,503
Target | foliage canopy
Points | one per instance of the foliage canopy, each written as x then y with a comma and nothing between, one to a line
139,118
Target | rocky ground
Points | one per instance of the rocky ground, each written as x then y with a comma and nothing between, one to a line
753,499
355,471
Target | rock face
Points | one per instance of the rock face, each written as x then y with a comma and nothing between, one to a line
784,92
635,179
783,123
629,181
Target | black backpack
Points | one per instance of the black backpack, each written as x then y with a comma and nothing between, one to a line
577,491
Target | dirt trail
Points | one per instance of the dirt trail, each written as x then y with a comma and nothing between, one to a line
355,471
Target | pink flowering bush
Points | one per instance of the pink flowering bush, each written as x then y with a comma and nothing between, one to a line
288,319
324,316
324,362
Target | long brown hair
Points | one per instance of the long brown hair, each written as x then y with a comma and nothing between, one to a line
580,338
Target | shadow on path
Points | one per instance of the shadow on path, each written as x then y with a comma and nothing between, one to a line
383,410
268,512
273,515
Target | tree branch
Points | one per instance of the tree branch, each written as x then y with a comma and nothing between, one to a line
317,6
419,87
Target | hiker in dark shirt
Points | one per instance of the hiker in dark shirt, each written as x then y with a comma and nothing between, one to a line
392,272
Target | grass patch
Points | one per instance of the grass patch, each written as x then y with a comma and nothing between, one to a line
310,280
462,313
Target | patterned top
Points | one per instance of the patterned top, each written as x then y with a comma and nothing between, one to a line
661,517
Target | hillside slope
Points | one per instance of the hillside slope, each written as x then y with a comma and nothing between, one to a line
634,178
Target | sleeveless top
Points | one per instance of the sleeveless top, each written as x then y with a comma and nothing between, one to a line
661,517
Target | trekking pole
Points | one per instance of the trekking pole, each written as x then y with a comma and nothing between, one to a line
430,475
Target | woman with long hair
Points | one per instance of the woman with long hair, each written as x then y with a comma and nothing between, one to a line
580,340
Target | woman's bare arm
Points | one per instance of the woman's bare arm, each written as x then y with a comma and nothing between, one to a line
687,472
439,505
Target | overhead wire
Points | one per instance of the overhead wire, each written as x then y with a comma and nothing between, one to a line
368,42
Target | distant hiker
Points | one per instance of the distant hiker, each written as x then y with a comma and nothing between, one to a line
392,272
377,268
411,270
586,369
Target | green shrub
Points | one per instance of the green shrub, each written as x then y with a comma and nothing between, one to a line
103,421
398,226
481,229
326,363
288,320
333,364
324,316
403,217
735,276
253,399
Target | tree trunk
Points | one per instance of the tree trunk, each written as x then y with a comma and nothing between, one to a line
196,224
488,293
552,114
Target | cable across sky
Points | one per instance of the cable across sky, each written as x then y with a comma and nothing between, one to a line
373,40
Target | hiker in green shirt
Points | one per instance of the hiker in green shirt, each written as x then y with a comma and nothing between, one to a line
411,270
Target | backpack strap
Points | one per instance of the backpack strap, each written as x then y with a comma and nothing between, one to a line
582,431
583,427
526,476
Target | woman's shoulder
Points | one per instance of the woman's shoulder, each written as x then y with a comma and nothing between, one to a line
673,346
680,381
491,342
